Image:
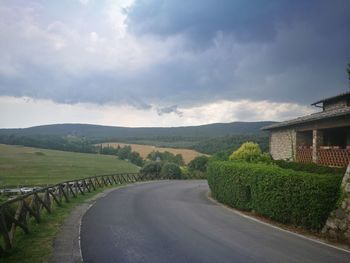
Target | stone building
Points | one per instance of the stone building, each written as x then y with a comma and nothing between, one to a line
322,137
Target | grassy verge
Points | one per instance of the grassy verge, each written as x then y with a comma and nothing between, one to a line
37,246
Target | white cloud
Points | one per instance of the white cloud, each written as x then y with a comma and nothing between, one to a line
25,112
84,2
35,38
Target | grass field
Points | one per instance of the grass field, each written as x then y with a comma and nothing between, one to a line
144,150
32,166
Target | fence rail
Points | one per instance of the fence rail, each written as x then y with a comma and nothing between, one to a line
334,157
17,212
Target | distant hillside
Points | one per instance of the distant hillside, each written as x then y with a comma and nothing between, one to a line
101,132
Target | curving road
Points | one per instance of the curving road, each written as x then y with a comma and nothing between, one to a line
173,221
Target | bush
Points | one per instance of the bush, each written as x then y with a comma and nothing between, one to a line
199,164
186,174
249,151
171,170
310,167
166,157
151,168
136,158
221,156
291,197
123,153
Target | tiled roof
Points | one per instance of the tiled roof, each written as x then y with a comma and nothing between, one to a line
309,118
332,98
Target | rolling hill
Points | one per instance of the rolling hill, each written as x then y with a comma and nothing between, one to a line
102,132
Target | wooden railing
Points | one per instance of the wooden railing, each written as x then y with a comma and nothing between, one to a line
334,157
304,155
18,211
329,156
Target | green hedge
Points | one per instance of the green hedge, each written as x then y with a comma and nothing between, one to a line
310,167
287,196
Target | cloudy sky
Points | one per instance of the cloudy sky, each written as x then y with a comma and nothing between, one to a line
169,62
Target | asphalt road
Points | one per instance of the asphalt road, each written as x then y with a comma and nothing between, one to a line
173,221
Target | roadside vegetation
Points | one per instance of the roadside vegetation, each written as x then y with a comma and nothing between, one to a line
166,163
37,246
38,167
123,153
290,193
197,168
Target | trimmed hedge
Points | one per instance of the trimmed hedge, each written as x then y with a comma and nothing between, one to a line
310,167
287,196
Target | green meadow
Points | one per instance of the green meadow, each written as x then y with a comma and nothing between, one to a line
33,166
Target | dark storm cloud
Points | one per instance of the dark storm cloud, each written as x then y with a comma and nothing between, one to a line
168,110
254,20
281,51
297,50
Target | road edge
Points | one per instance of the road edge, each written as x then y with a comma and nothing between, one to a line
307,237
66,244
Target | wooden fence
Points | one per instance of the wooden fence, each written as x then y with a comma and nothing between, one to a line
17,212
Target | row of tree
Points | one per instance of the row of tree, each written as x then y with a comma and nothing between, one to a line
166,157
123,153
66,143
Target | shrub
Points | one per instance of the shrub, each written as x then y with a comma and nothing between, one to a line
291,197
199,164
136,158
249,151
192,175
309,167
166,157
221,156
151,168
171,170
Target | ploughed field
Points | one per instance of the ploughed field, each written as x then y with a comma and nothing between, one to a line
33,166
144,150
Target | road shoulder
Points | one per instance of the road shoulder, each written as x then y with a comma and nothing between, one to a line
66,246
289,229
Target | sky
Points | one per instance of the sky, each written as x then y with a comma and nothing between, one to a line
142,63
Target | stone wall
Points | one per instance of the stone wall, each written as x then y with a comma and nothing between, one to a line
338,224
283,144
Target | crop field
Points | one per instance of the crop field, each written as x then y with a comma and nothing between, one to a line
33,166
144,150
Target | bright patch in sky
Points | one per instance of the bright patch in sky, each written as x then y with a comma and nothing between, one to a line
48,112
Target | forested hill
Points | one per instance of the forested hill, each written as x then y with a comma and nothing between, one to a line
100,132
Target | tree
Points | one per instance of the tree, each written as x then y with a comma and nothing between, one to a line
151,168
248,151
199,164
178,159
166,157
124,152
171,170
135,158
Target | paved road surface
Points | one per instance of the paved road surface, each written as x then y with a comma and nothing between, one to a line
173,221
